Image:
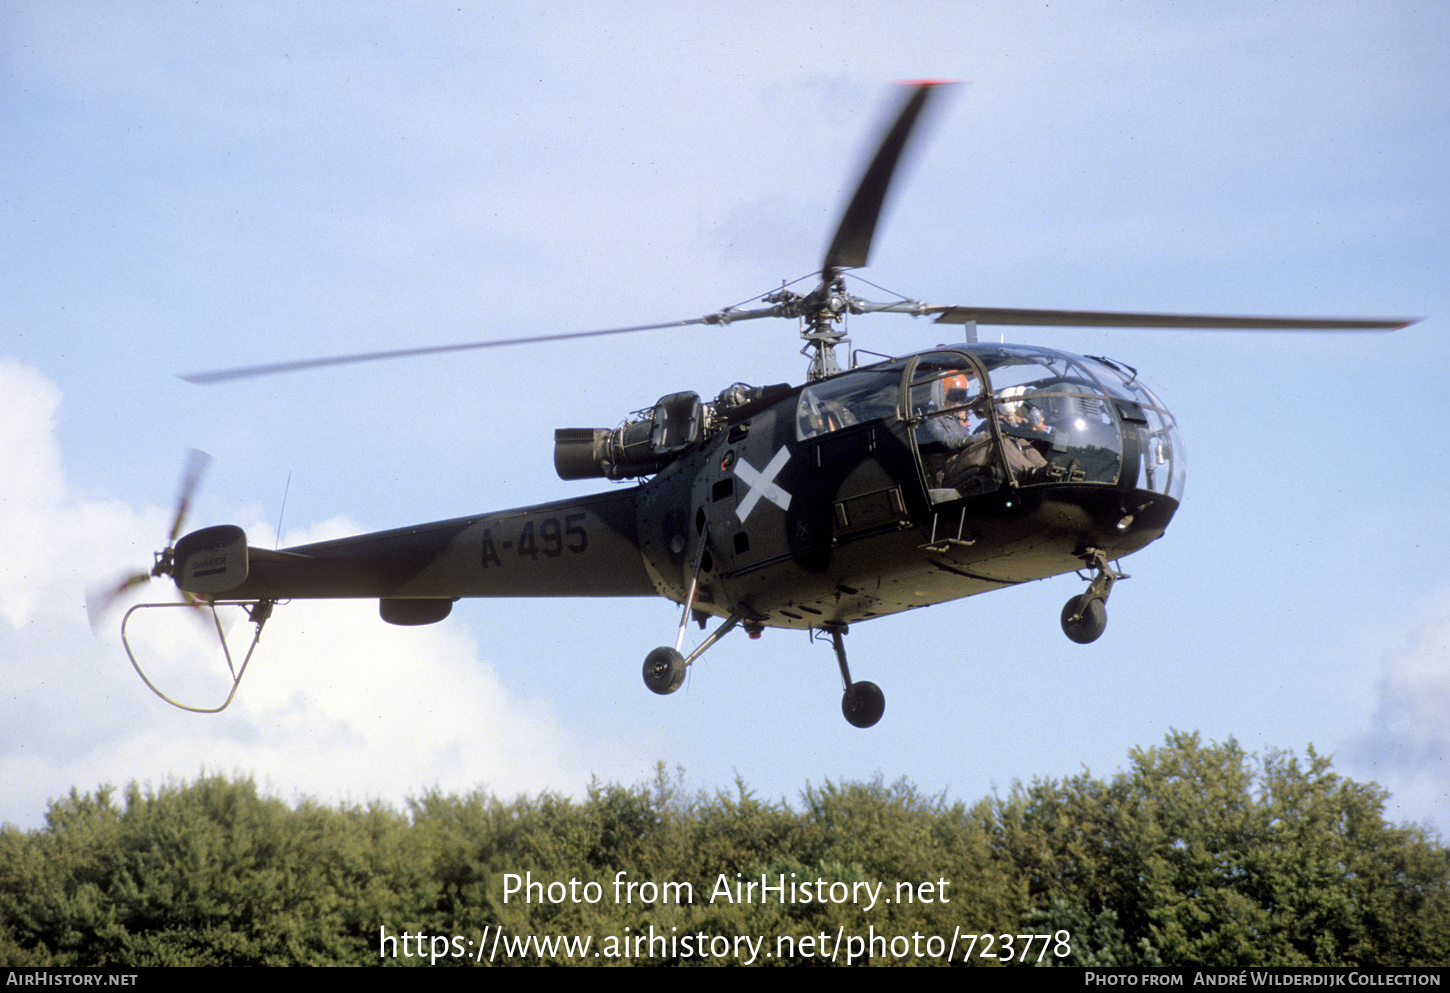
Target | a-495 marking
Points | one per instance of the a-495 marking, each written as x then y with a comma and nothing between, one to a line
550,537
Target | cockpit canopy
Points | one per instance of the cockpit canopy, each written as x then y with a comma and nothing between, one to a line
984,415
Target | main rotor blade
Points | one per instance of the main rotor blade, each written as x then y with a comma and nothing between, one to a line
272,368
852,243
1110,319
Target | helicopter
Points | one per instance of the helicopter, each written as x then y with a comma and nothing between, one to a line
864,492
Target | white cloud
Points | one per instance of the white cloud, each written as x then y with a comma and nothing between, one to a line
1407,747
336,704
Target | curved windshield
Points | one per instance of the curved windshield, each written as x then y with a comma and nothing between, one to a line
1153,449
1059,418
1056,422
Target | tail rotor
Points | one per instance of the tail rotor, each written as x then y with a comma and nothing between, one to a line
100,601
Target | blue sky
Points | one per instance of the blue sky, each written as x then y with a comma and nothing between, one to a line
195,187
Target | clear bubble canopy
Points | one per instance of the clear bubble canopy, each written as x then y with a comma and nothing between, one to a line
986,414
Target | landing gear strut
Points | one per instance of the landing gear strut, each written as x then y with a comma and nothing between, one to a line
863,703
1085,616
665,667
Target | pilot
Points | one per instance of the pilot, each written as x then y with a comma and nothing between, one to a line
1022,424
954,429
1019,413
957,448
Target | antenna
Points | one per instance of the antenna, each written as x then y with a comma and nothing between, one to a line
277,542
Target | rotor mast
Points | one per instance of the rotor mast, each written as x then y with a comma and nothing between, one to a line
821,312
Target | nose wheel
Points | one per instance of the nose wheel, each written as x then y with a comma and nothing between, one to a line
1085,616
1084,619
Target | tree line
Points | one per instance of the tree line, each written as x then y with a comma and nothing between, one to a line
1195,854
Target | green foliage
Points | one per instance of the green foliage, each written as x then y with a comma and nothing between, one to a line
1196,854
1200,855
204,874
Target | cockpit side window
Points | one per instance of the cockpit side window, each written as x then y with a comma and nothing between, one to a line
851,398
953,437
942,382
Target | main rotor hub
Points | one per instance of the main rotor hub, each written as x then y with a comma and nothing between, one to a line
822,312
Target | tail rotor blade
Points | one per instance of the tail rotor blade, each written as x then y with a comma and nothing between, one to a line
196,463
99,602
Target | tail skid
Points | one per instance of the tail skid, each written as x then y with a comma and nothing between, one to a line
258,611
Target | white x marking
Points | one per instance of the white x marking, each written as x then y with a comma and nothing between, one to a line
762,484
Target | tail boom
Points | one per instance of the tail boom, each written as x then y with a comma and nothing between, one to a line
571,548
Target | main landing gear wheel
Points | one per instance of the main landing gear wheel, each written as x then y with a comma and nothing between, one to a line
863,704
664,670
1084,618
